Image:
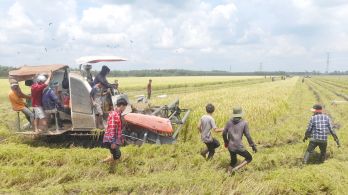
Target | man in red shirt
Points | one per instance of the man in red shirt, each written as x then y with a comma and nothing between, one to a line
149,89
113,135
36,100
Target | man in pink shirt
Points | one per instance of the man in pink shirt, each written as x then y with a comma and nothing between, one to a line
36,100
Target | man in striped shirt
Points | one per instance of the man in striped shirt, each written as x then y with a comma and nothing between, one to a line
113,135
318,129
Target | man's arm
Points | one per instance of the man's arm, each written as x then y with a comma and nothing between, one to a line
49,78
250,140
309,129
219,130
108,91
224,134
333,133
199,127
55,98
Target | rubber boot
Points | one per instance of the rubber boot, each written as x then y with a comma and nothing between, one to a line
306,157
204,153
112,167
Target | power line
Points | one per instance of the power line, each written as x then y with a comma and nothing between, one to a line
260,66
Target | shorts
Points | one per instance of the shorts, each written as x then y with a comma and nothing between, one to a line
98,109
39,113
116,153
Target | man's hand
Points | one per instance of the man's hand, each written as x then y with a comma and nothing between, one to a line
122,141
304,139
338,143
226,145
254,148
95,104
108,91
113,146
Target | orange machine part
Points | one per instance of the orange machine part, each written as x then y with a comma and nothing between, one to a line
150,122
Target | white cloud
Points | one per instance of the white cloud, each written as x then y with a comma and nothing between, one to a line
208,49
174,33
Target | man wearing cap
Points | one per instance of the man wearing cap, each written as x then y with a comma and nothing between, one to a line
317,131
235,128
15,95
50,101
149,89
36,99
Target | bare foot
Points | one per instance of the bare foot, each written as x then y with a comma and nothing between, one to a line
38,131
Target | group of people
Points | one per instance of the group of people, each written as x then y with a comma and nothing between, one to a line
42,98
318,129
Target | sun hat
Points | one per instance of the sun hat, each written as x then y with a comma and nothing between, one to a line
41,78
238,112
53,84
14,84
317,108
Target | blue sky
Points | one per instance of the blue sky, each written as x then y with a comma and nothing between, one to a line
290,35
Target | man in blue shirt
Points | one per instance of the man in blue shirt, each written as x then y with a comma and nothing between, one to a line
317,131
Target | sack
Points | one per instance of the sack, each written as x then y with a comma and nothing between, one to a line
65,82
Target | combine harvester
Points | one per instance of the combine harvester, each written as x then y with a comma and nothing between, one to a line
153,125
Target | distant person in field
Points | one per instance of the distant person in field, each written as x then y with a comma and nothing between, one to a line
149,89
96,97
317,131
302,80
101,78
36,100
233,132
206,124
113,135
15,95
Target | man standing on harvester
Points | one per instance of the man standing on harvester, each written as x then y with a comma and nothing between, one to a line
234,130
36,100
317,131
149,89
96,97
205,125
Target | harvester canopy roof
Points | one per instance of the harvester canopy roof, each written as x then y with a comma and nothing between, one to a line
29,72
96,59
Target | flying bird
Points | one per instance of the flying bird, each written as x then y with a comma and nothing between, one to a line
18,52
118,45
46,49
49,24
131,41
124,38
53,39
107,46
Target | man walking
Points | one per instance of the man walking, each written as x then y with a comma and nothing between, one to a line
206,124
234,130
36,100
149,89
317,131
113,135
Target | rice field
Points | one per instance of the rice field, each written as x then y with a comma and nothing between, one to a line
277,113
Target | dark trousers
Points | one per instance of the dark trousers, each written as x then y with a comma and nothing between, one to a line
211,147
312,145
245,154
149,95
116,153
